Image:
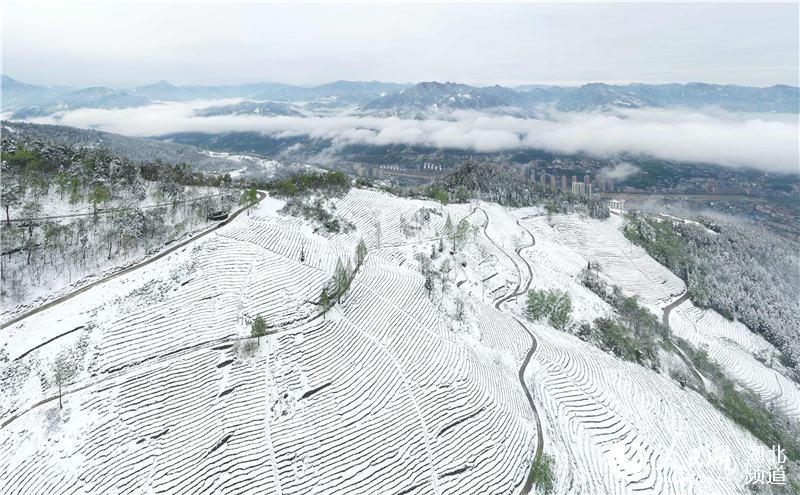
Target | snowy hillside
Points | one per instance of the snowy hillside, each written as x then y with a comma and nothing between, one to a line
424,378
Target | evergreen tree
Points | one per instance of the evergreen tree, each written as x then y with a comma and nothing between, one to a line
258,328
339,280
324,299
62,182
11,195
349,274
448,226
361,253
249,197
64,368
100,194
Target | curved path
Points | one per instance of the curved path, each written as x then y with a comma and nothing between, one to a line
674,304
528,486
66,297
665,321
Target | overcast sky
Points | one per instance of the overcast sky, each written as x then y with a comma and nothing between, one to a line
128,44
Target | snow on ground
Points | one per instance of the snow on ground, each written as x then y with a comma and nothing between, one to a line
56,204
390,392
731,344
628,265
737,349
380,397
616,427
613,426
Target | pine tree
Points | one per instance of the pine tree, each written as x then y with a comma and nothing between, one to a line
64,368
349,274
377,232
258,328
99,194
339,280
11,196
324,299
361,253
249,197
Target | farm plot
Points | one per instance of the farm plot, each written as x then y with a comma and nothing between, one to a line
627,265
735,347
380,218
621,428
380,396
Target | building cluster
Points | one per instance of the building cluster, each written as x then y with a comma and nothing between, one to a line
722,187
421,171
616,205
587,186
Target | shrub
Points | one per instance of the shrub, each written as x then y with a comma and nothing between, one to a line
617,339
554,304
543,476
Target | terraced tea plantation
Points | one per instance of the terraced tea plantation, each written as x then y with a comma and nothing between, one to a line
424,377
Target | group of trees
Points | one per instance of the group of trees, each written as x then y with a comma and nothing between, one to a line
45,252
496,183
329,183
741,270
636,335
343,275
457,234
553,304
249,197
314,209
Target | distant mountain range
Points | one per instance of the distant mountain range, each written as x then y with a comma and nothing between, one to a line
25,101
265,108
437,96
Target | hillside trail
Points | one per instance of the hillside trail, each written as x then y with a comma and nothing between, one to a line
665,321
528,486
125,271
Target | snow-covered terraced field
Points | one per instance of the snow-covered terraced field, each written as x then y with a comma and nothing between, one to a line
621,428
377,216
379,397
386,394
626,264
734,347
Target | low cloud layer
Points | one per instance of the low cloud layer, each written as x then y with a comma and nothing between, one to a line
767,142
619,171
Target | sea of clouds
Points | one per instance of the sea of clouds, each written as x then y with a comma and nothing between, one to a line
769,142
